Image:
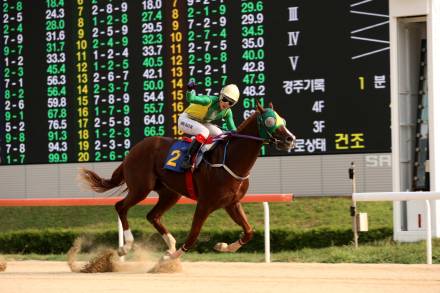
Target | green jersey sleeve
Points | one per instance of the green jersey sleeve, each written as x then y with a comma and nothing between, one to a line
192,98
229,119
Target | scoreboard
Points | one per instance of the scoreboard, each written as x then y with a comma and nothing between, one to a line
85,80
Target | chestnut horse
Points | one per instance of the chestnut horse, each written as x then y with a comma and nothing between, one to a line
143,171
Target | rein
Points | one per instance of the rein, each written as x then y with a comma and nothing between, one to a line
224,166
227,135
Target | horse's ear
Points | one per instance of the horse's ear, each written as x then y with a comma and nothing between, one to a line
271,105
259,107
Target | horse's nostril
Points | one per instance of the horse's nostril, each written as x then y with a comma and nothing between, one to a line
289,139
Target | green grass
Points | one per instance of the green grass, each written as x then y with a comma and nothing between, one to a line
301,214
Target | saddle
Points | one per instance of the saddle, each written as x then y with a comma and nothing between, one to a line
180,147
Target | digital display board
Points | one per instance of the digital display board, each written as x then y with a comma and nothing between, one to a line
85,80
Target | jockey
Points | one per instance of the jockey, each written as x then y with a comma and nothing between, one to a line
202,110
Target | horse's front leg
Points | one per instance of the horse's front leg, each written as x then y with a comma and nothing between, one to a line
238,215
200,216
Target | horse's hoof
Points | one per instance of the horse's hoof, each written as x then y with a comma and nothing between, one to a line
165,257
221,247
122,251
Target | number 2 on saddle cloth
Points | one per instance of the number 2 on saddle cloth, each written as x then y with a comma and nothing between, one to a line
178,150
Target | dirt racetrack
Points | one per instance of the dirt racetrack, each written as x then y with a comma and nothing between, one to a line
49,276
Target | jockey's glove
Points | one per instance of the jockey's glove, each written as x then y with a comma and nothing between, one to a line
191,85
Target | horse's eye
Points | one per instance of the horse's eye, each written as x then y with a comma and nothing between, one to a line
269,122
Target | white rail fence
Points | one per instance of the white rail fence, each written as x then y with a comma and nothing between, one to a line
403,196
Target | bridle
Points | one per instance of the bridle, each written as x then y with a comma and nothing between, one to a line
268,139
265,131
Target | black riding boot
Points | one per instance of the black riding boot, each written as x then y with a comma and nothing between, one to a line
193,148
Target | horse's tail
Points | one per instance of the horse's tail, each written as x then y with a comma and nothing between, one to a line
98,184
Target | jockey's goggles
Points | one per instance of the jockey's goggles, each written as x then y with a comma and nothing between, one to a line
225,99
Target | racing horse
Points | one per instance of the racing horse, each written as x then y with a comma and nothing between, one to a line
142,170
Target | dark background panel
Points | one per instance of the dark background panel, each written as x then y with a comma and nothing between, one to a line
325,49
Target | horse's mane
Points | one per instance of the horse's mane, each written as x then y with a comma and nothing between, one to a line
246,122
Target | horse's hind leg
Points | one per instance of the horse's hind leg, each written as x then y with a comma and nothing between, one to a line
122,207
239,216
167,199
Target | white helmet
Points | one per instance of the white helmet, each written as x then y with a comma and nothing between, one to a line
230,92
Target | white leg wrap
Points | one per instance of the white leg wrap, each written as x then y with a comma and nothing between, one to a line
128,236
170,241
129,239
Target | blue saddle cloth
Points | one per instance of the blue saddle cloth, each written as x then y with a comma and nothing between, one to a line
175,156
